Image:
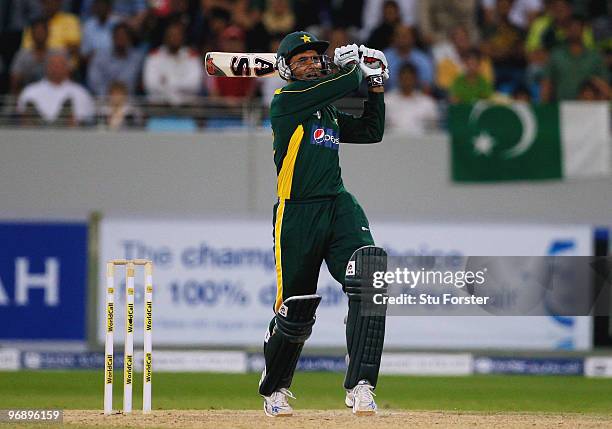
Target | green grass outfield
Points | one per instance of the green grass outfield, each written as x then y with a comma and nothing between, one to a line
202,391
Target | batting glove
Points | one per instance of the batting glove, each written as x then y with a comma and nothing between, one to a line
370,59
345,55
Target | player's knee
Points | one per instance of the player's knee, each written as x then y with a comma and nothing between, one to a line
296,317
361,272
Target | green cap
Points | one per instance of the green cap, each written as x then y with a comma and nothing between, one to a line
300,41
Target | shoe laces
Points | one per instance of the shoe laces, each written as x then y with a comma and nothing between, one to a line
280,397
364,393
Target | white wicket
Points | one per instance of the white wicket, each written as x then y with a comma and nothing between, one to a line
128,365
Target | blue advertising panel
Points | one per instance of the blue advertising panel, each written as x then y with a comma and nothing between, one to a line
43,279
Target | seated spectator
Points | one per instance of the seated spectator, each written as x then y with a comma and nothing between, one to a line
211,23
278,17
503,43
249,16
346,13
16,16
569,66
49,96
437,17
176,10
338,36
118,113
121,63
133,12
471,86
98,30
64,29
449,57
549,30
227,90
521,93
374,14
408,109
589,92
382,35
173,73
308,13
522,12
404,50
29,64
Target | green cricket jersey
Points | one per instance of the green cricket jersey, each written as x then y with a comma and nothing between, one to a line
308,129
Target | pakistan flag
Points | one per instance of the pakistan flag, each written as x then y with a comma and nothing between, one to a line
494,142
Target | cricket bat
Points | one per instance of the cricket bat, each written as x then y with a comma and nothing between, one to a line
235,64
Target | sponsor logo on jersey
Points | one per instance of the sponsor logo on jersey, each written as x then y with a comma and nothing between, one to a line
327,137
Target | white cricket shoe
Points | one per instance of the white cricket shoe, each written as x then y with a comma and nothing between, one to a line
361,399
276,404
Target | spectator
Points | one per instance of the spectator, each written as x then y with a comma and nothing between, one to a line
118,113
407,108
308,13
278,17
437,17
29,64
549,30
449,56
98,30
381,36
503,43
571,65
521,93
249,18
226,90
173,73
15,15
589,92
346,13
52,94
133,12
176,10
337,37
120,64
522,12
471,86
374,14
64,29
211,23
403,50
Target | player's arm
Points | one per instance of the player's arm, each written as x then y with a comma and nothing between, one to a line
306,97
370,126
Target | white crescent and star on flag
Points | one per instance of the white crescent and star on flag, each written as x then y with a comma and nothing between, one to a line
484,143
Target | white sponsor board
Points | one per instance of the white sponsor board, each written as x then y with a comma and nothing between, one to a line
9,359
598,366
197,361
215,283
426,364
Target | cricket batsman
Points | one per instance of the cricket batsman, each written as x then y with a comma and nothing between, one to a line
316,218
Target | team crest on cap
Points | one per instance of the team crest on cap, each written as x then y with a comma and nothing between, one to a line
305,38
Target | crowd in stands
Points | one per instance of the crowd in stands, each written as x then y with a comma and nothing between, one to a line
89,58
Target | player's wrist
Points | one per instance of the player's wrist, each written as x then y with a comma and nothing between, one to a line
375,81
